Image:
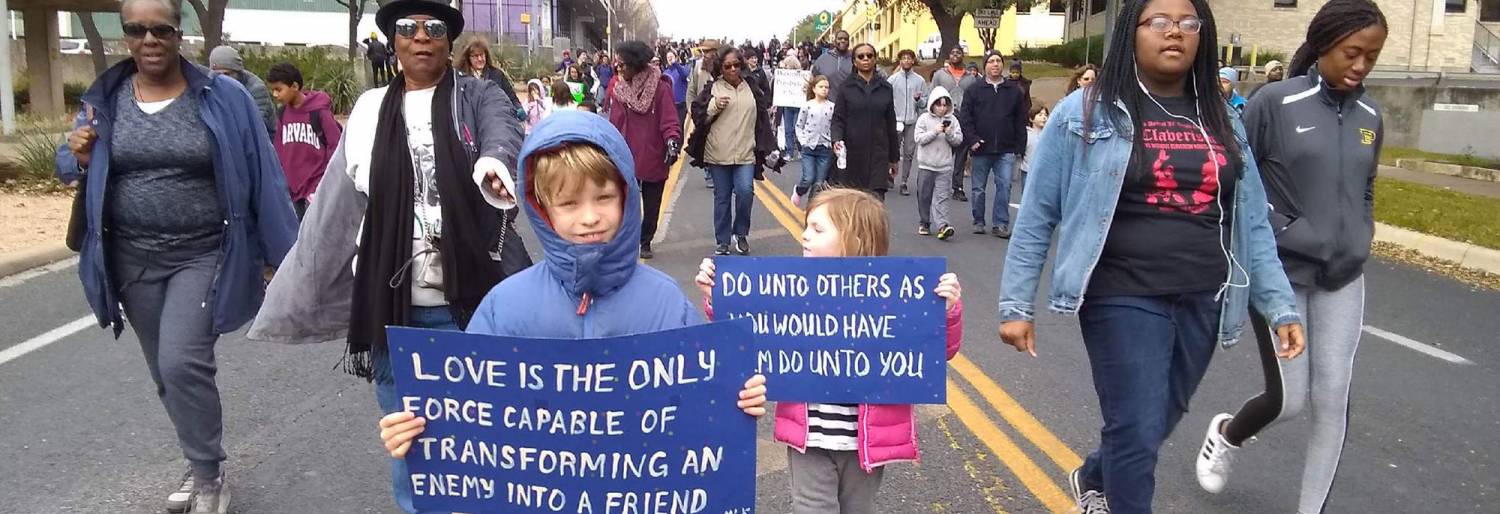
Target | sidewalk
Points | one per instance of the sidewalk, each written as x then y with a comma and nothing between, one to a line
1459,184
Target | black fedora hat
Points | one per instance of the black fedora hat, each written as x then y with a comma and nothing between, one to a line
386,17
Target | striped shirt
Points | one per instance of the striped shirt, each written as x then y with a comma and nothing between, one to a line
833,427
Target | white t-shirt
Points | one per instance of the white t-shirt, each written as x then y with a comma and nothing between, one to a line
417,109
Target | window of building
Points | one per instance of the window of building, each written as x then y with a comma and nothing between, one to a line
1097,6
1489,11
1456,6
1075,10
1057,7
1284,3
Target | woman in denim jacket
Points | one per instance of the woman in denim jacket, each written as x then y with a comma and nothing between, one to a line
1167,232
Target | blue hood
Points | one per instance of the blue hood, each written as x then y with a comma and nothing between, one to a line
597,269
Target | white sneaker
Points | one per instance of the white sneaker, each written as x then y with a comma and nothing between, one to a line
1216,456
797,199
1090,501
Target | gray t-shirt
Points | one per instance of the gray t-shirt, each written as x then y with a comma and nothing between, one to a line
162,193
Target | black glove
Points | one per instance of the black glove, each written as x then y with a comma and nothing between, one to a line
674,147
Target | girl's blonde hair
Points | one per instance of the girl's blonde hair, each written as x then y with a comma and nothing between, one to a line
814,83
860,220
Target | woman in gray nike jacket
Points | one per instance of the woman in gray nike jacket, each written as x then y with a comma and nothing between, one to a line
1316,137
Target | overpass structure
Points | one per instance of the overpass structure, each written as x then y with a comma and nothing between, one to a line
42,32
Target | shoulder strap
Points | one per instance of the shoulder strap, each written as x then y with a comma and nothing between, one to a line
316,120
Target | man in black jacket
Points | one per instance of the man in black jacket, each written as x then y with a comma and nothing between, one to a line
993,117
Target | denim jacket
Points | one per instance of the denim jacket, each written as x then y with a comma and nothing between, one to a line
1074,193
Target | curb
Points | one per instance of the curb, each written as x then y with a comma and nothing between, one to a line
33,258
1464,254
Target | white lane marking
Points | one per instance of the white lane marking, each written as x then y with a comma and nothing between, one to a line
1431,351
19,278
50,337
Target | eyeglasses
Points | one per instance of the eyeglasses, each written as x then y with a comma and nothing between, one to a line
139,30
1163,25
864,56
407,28
732,65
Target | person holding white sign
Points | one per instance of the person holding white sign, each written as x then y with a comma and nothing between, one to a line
837,453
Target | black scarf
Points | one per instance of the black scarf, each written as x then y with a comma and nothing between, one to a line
470,228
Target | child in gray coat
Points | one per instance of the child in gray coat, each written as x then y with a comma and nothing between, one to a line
937,134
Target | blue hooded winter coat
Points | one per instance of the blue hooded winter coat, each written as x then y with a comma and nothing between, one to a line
259,224
583,291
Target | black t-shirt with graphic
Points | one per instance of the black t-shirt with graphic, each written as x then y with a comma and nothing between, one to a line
1165,238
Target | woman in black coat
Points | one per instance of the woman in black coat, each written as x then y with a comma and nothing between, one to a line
864,127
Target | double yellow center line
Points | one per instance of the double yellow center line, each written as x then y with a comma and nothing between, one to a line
1031,475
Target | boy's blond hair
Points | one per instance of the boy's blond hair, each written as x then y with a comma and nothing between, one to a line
555,171
860,220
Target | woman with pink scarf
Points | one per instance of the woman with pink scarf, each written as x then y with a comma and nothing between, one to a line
639,103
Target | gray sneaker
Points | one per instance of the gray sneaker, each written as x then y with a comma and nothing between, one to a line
179,501
211,497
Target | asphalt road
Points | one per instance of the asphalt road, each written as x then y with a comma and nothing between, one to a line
81,430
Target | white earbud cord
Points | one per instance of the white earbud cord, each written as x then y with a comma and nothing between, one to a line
1218,196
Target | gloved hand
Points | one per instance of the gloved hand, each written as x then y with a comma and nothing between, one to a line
674,148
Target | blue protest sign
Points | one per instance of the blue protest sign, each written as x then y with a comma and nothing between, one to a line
636,424
845,330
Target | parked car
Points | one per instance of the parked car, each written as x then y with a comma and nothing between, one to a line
933,44
73,47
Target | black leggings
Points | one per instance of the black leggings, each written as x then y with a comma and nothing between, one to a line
1260,411
650,199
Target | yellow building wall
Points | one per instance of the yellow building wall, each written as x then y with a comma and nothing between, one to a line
905,32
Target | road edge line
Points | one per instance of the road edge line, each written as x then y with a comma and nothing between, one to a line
48,337
1045,490
1017,416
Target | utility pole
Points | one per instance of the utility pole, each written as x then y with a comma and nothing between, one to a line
1111,9
7,95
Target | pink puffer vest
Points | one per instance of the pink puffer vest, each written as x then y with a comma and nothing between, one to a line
887,433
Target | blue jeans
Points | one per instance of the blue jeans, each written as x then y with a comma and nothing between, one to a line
816,162
1002,167
789,127
736,181
385,394
1148,354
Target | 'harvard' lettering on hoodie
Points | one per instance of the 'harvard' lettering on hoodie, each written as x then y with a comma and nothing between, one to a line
303,153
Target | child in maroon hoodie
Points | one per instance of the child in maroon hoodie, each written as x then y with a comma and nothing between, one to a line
307,133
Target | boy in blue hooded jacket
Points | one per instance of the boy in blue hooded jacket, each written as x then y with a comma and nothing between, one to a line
578,186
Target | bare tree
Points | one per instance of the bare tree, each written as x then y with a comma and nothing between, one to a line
949,14
211,21
96,42
356,10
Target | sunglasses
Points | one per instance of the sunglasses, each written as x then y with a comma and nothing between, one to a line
864,56
1163,25
139,30
732,65
407,28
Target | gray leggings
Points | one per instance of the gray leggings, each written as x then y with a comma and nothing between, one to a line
167,299
1334,321
831,482
934,189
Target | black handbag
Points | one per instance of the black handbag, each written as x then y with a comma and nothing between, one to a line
78,222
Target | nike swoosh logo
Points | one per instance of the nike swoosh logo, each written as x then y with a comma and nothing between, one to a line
1301,130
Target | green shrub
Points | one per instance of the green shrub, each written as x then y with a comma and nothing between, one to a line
323,69
72,95
1068,54
519,65
37,150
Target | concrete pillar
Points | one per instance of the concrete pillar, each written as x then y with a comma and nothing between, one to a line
41,56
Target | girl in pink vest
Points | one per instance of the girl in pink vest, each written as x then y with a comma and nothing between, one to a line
836,453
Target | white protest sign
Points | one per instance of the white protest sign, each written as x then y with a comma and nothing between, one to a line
791,88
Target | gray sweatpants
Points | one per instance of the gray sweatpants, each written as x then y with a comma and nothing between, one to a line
934,190
908,151
1334,321
167,300
828,482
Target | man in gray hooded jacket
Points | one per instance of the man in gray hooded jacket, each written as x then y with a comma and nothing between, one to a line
225,60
